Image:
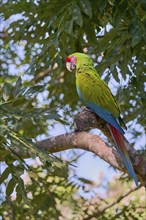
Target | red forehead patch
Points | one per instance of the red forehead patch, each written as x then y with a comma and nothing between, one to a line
68,59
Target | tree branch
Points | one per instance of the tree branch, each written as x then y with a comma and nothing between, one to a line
93,143
41,75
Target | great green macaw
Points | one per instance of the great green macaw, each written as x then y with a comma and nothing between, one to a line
95,93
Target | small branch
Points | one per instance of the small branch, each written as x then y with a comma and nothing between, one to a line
41,75
101,212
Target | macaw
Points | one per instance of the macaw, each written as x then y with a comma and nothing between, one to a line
95,93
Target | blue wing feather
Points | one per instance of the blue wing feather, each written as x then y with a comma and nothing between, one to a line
105,115
102,113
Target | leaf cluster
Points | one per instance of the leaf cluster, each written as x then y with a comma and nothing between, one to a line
47,31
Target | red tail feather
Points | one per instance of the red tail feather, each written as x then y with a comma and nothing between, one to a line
119,140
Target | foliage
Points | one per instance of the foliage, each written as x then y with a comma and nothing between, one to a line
116,204
45,187
36,90
50,196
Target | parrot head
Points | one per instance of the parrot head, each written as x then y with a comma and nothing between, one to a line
76,60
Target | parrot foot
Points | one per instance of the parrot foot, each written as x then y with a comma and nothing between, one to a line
87,109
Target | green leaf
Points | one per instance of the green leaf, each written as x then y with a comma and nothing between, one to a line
86,7
47,200
18,193
6,91
33,148
135,32
5,175
115,73
136,38
23,191
18,86
69,26
34,89
10,187
86,181
90,32
77,15
143,4
102,4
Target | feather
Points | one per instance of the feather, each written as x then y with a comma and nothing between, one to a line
102,113
121,148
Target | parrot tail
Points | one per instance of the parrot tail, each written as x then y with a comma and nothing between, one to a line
121,148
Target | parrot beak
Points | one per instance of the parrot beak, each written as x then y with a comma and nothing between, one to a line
70,66
71,63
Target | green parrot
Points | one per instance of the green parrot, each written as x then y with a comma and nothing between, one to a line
95,93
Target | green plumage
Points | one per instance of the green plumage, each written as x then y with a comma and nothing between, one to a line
92,86
96,90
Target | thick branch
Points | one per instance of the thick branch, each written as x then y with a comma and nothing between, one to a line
85,121
82,140
95,144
